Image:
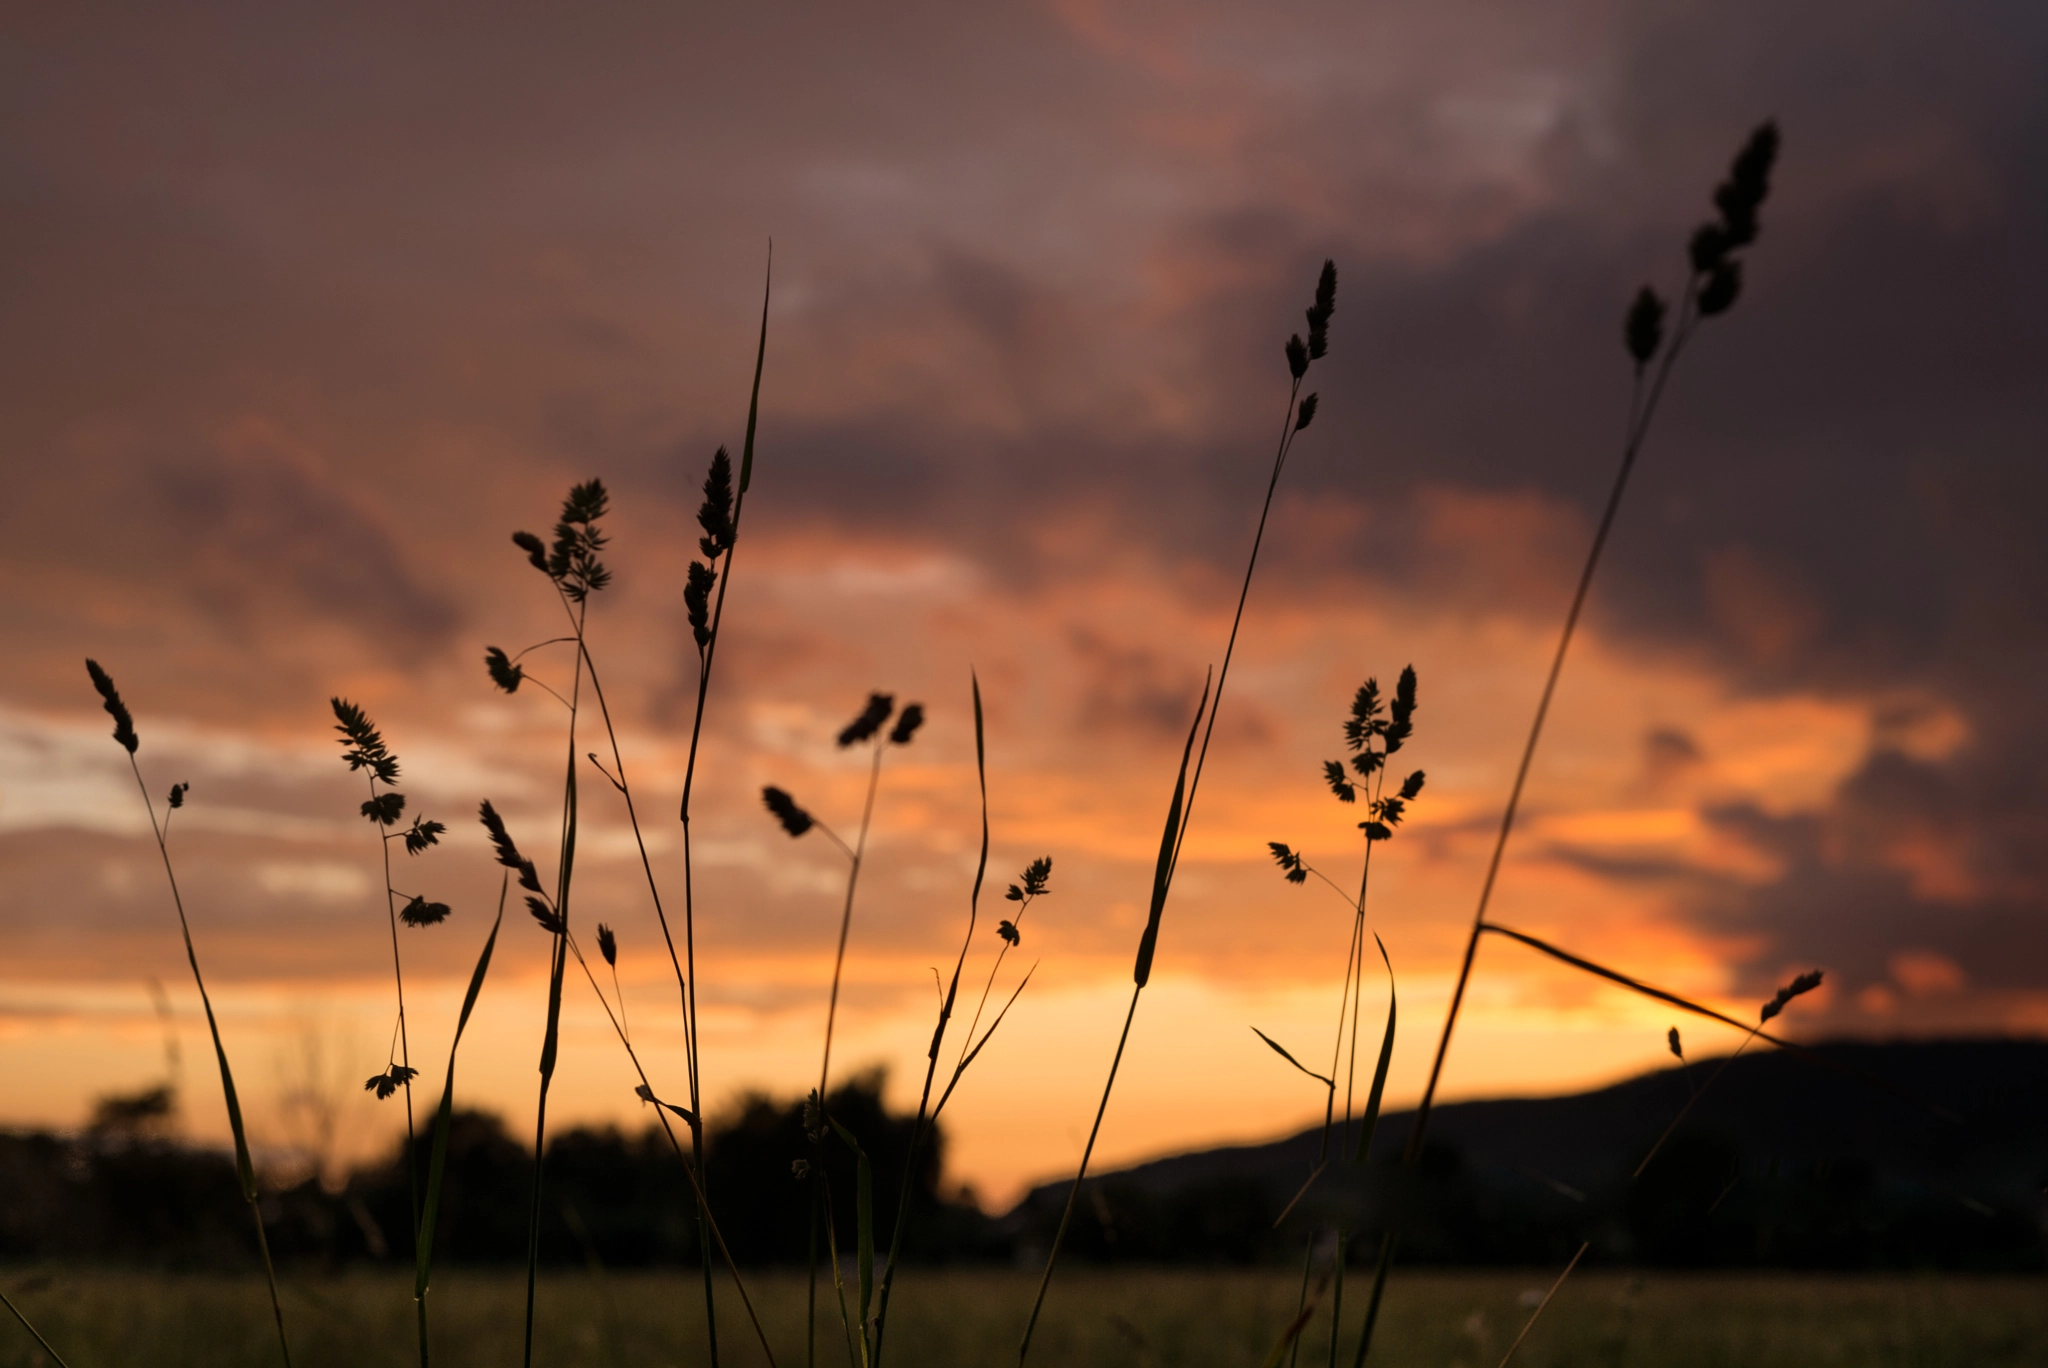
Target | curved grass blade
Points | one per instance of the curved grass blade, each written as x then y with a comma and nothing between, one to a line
1281,1050
1370,1122
437,1166
1637,985
1169,847
864,1230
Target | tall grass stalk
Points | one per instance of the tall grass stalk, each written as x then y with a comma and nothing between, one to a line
1295,418
1024,894
818,1124
245,1170
708,632
1711,288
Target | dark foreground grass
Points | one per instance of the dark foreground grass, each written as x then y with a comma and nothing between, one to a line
1128,1319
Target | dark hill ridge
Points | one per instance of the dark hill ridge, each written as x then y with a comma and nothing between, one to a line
1931,1152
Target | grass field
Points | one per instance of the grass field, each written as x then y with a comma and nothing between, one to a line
1139,1319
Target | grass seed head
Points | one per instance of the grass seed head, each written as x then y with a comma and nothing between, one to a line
907,723
1319,312
110,698
572,561
536,550
1290,861
1724,283
1297,357
177,797
1401,712
1008,931
697,602
1306,414
390,1081
422,834
1333,775
507,853
715,517
870,721
794,819
1677,1048
503,672
362,744
386,808
420,912
608,945
549,919
1798,987
1644,330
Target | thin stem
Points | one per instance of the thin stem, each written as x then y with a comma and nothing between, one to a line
846,921
404,1046
931,1067
245,1169
556,964
1287,431
686,978
1538,1312
1214,704
1686,1110
660,1114
1067,1216
37,1334
1639,431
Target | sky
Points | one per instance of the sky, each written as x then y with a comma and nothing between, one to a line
303,312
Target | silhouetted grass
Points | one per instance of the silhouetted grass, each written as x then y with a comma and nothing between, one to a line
864,729
245,1171
364,749
1033,885
1299,413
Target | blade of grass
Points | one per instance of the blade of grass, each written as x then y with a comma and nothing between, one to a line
1162,879
245,1170
551,1041
686,973
931,1067
864,1230
1686,1004
1371,1120
437,1165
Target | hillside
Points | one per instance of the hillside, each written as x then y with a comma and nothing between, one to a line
1907,1154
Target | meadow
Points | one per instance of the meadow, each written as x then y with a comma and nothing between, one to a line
1131,1319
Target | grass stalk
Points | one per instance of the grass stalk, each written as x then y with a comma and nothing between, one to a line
686,971
437,1165
1295,418
1162,878
1711,287
245,1169
918,1128
557,963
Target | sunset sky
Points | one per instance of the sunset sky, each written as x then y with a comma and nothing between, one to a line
302,312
